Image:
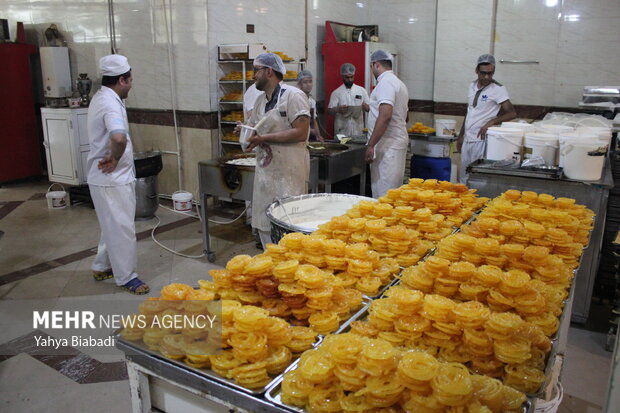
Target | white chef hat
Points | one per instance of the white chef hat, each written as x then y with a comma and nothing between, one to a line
113,65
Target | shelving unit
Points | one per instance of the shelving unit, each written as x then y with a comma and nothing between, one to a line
240,85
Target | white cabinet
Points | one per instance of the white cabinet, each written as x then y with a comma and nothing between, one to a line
66,144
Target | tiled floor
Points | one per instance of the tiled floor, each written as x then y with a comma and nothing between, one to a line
38,260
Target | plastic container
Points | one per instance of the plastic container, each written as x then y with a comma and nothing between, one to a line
244,136
182,201
56,199
504,143
525,127
426,167
551,128
445,127
541,144
583,158
551,406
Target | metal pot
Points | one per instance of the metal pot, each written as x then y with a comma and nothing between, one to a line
147,163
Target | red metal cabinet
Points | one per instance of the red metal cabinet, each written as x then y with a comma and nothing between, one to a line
20,154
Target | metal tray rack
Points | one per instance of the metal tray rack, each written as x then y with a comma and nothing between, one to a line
206,374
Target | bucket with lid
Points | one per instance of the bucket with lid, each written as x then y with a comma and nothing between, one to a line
544,145
445,127
182,201
525,127
553,404
551,128
504,143
583,158
56,199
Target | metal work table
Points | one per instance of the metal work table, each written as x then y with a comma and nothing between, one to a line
233,182
335,166
594,195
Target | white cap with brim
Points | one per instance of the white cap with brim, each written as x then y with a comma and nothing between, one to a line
113,65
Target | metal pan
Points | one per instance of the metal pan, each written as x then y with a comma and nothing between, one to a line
205,373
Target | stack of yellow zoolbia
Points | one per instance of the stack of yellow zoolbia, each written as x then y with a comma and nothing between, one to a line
497,344
256,346
302,293
351,373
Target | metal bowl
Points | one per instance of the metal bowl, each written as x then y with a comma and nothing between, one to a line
291,214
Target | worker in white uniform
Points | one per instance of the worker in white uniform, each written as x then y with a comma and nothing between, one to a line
305,83
488,105
249,98
348,104
387,126
281,117
112,177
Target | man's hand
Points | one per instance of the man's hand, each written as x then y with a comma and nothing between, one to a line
107,164
237,129
459,146
370,154
254,141
482,134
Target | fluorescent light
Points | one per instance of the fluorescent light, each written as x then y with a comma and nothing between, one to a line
360,5
412,20
551,3
572,18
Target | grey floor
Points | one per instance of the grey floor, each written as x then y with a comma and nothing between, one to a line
44,254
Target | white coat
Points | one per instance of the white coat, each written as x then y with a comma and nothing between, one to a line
350,123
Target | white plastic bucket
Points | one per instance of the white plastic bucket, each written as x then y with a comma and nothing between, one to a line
445,127
550,128
552,405
541,144
244,136
525,127
604,134
504,143
182,201
583,159
56,199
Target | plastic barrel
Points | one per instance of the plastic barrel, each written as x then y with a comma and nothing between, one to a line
430,168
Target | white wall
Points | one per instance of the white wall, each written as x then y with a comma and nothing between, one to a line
574,41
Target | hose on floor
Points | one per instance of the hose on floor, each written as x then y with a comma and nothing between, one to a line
197,216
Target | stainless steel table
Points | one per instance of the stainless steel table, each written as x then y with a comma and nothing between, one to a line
335,166
234,182
594,195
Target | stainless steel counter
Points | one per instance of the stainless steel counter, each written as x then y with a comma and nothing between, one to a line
336,166
592,194
233,182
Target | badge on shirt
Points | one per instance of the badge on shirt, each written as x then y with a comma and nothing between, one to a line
358,96
485,98
283,114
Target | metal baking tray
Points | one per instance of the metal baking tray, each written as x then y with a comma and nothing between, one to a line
205,373
486,166
272,394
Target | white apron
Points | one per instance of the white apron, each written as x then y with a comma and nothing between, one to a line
281,169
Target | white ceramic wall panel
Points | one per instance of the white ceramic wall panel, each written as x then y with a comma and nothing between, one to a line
527,30
410,25
463,34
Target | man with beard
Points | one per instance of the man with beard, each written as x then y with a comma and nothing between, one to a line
348,104
281,117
